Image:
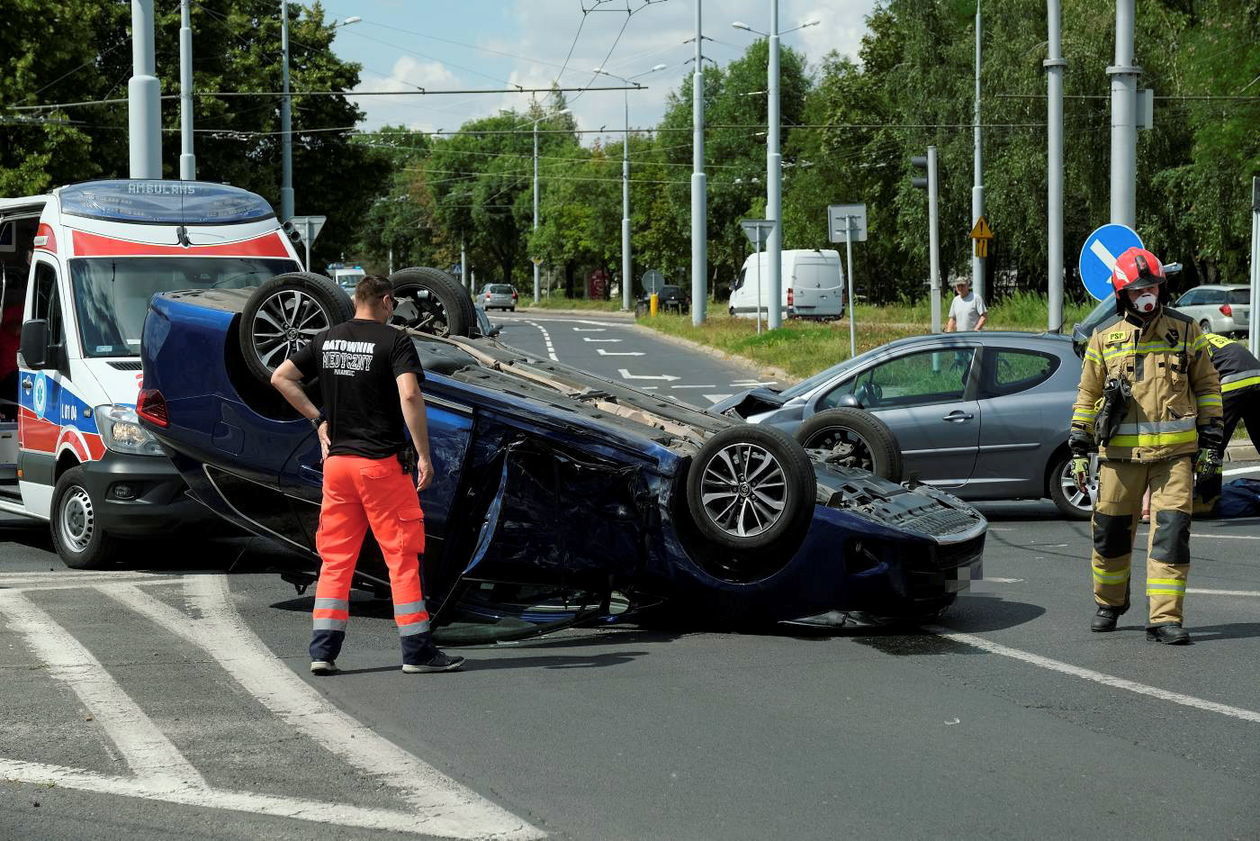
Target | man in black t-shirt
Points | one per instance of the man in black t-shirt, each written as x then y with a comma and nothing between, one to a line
370,376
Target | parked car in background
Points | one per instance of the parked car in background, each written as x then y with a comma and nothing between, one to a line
559,496
982,415
812,285
497,296
1218,308
669,298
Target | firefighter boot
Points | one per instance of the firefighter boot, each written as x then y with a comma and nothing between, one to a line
1105,618
1169,633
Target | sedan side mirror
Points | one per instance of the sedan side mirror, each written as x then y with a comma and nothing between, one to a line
34,343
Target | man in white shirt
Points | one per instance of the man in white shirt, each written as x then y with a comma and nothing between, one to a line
967,312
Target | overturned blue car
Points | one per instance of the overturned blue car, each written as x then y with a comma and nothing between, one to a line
559,497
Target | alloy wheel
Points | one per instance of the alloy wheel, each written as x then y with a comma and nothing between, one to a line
744,489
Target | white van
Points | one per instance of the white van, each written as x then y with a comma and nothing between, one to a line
78,268
812,285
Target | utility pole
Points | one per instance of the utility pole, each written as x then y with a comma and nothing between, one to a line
187,162
463,264
977,190
774,176
1054,65
1124,75
286,120
144,114
699,201
535,259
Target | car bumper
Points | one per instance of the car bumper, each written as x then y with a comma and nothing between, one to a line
139,496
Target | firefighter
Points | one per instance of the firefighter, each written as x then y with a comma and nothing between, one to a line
1149,401
1240,387
370,377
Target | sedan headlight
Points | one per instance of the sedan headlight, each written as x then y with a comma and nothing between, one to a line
121,431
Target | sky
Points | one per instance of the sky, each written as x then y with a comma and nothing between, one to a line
479,45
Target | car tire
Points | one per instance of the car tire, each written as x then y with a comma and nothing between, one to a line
431,301
76,533
511,309
854,438
750,488
284,314
1205,326
1062,490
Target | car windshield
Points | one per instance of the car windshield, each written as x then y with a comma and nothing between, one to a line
1240,296
111,294
806,386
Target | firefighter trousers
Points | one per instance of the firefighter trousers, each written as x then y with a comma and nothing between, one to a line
1121,486
362,493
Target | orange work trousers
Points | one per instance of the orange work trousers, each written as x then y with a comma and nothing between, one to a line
362,493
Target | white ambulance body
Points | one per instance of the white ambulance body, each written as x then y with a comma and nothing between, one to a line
71,451
812,285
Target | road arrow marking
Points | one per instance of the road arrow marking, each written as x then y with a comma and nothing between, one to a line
1101,252
626,375
603,352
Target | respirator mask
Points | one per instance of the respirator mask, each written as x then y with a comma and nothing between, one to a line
1146,303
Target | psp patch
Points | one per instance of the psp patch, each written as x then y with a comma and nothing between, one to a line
1116,336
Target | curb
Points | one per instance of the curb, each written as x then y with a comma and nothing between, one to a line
1243,450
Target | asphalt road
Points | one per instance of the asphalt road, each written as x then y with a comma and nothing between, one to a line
170,698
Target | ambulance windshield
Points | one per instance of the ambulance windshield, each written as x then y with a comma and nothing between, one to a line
111,294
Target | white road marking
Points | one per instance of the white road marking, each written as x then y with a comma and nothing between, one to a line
603,352
1097,677
1252,593
75,581
150,755
551,351
648,387
318,811
715,398
589,330
1198,535
1234,471
589,339
443,806
1101,252
693,386
626,375
1002,580
751,383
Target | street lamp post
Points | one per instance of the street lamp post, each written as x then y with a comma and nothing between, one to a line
538,260
774,163
627,263
286,114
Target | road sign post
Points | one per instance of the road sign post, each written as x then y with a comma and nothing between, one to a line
1098,257
758,231
849,219
1253,335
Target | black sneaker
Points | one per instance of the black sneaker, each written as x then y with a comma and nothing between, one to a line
1169,633
324,668
439,662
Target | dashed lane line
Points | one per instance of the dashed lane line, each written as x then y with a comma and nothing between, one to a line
442,806
1204,592
551,350
1102,678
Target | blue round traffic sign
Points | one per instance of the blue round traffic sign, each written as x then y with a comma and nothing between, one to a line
1098,257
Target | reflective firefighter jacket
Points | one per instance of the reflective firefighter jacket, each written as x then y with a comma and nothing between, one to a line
1236,366
1176,390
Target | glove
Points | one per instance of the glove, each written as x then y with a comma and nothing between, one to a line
1080,442
1207,464
1080,472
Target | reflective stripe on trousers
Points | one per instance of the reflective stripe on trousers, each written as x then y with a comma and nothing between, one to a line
362,493
1121,486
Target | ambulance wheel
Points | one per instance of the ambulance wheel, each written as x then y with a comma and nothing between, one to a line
284,314
76,531
431,301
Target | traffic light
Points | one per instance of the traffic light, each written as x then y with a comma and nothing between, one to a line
920,163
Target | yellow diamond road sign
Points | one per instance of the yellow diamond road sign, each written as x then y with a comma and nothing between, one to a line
982,229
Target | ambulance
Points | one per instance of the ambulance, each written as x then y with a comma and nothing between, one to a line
77,270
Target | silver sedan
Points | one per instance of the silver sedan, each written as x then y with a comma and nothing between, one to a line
982,415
